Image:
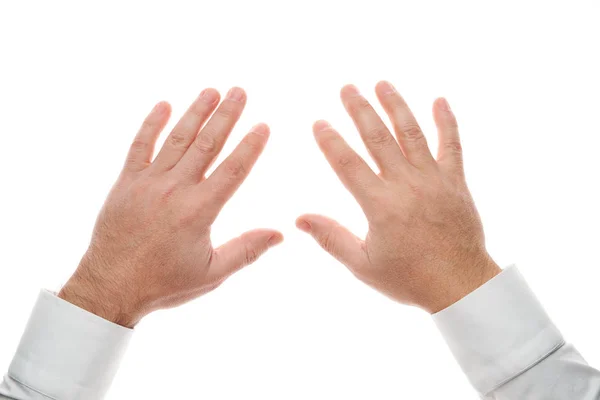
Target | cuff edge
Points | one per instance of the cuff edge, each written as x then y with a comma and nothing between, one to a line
527,368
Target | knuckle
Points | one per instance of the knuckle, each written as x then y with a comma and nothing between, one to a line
361,103
327,241
327,140
454,147
378,136
205,143
252,142
199,109
227,111
329,143
177,139
235,167
347,160
139,146
453,124
412,132
250,255
148,124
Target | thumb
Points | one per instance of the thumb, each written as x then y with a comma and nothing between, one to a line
241,251
335,239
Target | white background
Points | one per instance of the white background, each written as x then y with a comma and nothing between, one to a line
76,80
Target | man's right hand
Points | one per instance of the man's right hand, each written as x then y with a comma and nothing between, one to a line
151,245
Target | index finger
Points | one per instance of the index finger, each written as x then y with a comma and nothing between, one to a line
230,174
352,170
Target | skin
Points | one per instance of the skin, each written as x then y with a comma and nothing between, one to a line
151,246
425,245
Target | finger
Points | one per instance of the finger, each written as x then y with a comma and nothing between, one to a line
142,148
449,147
240,252
209,142
230,174
335,239
409,134
379,141
352,170
186,129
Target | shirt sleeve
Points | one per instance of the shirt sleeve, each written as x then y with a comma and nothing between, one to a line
509,348
65,353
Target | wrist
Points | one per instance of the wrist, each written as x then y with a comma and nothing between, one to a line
470,276
95,297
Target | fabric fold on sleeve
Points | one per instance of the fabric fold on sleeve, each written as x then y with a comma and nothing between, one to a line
498,331
68,353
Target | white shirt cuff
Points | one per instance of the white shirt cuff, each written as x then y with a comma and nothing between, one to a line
66,352
498,331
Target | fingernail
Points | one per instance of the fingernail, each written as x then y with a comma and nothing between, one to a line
208,95
321,125
351,90
274,240
444,104
260,129
303,225
236,94
386,87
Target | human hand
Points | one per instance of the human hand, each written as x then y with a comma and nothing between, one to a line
425,244
151,246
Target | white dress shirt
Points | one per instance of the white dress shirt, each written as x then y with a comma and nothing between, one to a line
500,335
